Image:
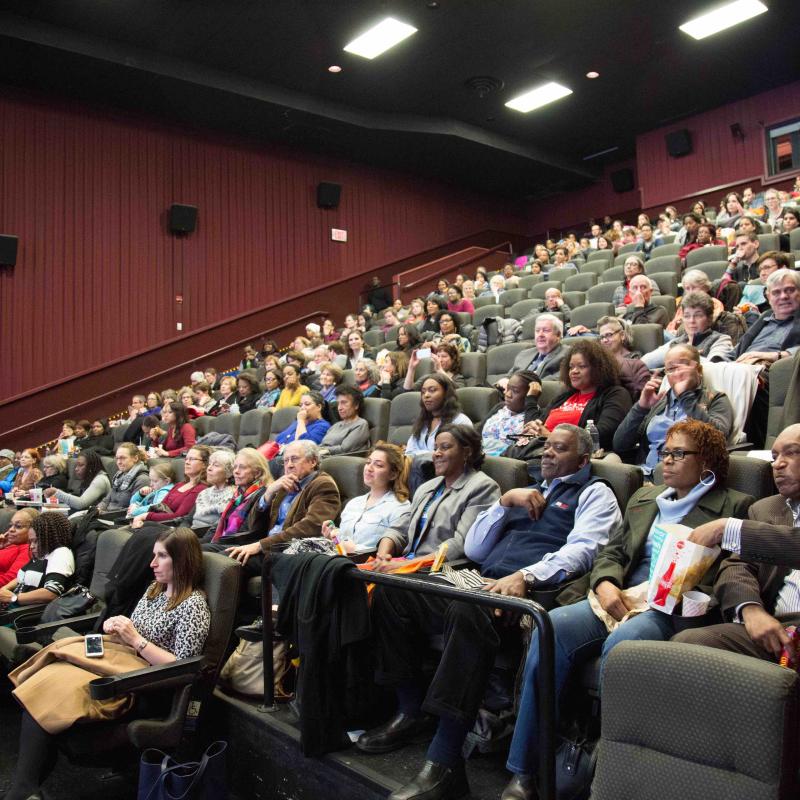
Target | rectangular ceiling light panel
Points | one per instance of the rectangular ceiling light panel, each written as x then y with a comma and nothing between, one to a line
380,38
536,98
722,18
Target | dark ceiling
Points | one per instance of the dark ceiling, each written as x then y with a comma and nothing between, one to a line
259,68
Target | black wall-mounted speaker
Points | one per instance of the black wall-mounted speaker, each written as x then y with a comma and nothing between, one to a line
328,195
8,250
622,180
182,219
679,143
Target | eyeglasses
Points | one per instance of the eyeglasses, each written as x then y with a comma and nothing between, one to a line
675,455
605,337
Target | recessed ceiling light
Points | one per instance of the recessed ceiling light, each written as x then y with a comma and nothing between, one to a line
380,38
334,68
722,18
536,98
592,75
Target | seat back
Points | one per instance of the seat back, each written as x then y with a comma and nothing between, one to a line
670,249
118,432
254,427
404,410
780,376
476,401
794,239
227,423
391,334
663,264
666,301
538,292
374,337
592,268
714,270
606,256
500,359
616,274
222,582
581,282
711,252
202,425
647,337
507,473
282,418
109,546
529,281
574,299
347,473
511,296
376,413
522,308
589,314
603,292
624,479
667,282
769,241
550,390
651,690
627,248
487,310
473,368
560,274
486,300
424,367
348,377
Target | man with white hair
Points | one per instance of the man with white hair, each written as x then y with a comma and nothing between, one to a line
545,358
497,285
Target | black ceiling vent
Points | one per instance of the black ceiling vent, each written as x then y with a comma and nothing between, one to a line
484,85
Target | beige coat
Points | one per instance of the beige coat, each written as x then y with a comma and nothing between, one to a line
53,684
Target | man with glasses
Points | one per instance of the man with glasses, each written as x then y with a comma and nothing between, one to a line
641,310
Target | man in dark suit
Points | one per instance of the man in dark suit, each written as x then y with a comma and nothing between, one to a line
758,587
545,358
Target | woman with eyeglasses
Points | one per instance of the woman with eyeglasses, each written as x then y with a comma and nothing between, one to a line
14,551
646,424
695,459
616,337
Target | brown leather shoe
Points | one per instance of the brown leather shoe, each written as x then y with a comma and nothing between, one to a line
435,782
397,732
520,787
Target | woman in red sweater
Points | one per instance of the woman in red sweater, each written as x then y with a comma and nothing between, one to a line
14,552
182,497
179,435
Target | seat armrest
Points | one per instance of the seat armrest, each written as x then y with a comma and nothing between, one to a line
243,537
160,676
80,624
8,616
113,516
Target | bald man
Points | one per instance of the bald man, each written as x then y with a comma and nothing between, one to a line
758,586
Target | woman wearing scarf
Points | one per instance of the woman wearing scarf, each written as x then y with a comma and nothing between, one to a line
130,477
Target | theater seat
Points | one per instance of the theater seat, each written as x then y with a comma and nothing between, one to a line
227,423
476,401
522,308
647,337
404,410
663,264
485,311
681,720
254,427
202,425
511,296
529,281
666,301
714,270
613,274
711,252
538,292
624,479
780,376
500,359
580,283
560,274
281,420
670,249
589,314
376,413
508,473
348,474
601,256
473,368
374,338
667,282
603,292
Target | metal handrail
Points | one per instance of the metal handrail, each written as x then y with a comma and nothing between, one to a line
458,265
545,684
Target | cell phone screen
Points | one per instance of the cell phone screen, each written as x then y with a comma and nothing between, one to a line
94,645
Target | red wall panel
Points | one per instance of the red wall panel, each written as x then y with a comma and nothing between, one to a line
98,272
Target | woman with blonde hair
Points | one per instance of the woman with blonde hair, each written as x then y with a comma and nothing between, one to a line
365,519
54,468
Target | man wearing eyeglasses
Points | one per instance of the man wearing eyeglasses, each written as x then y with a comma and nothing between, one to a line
758,586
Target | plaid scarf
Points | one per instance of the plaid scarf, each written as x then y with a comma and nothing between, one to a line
235,512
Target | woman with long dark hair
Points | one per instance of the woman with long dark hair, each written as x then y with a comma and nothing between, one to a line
438,406
179,436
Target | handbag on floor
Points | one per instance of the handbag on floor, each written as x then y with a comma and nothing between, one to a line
162,778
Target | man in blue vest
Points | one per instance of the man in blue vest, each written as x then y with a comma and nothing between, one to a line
535,537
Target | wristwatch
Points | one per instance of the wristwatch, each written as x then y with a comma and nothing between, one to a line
14,597
530,583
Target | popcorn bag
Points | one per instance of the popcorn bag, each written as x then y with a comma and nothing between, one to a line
676,566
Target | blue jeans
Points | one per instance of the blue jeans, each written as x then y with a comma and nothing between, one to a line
579,637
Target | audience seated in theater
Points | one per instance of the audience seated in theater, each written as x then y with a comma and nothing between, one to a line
748,225
14,552
647,241
447,360
553,301
733,211
367,377
161,479
181,499
754,299
593,392
450,331
633,266
274,361
8,469
416,313
390,320
153,401
365,519
47,574
90,486
791,221
170,622
292,390
175,435
468,291
641,310
695,472
131,476
561,259
309,423
757,585
616,337
508,417
408,338
393,372
203,399
137,411
434,305
293,507
456,300
695,280
227,391
743,263
773,210
535,537
356,349
545,357
495,287
351,433
97,437
54,469
28,474
697,317
330,378
66,437
248,391
212,501
706,235
605,242
250,359
645,426
688,233
510,277
329,331
319,356
186,397
438,406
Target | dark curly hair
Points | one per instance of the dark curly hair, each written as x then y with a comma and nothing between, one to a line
453,317
52,531
710,442
605,371
468,438
413,338
94,466
450,408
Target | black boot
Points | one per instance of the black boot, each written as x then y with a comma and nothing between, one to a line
397,732
520,787
435,782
